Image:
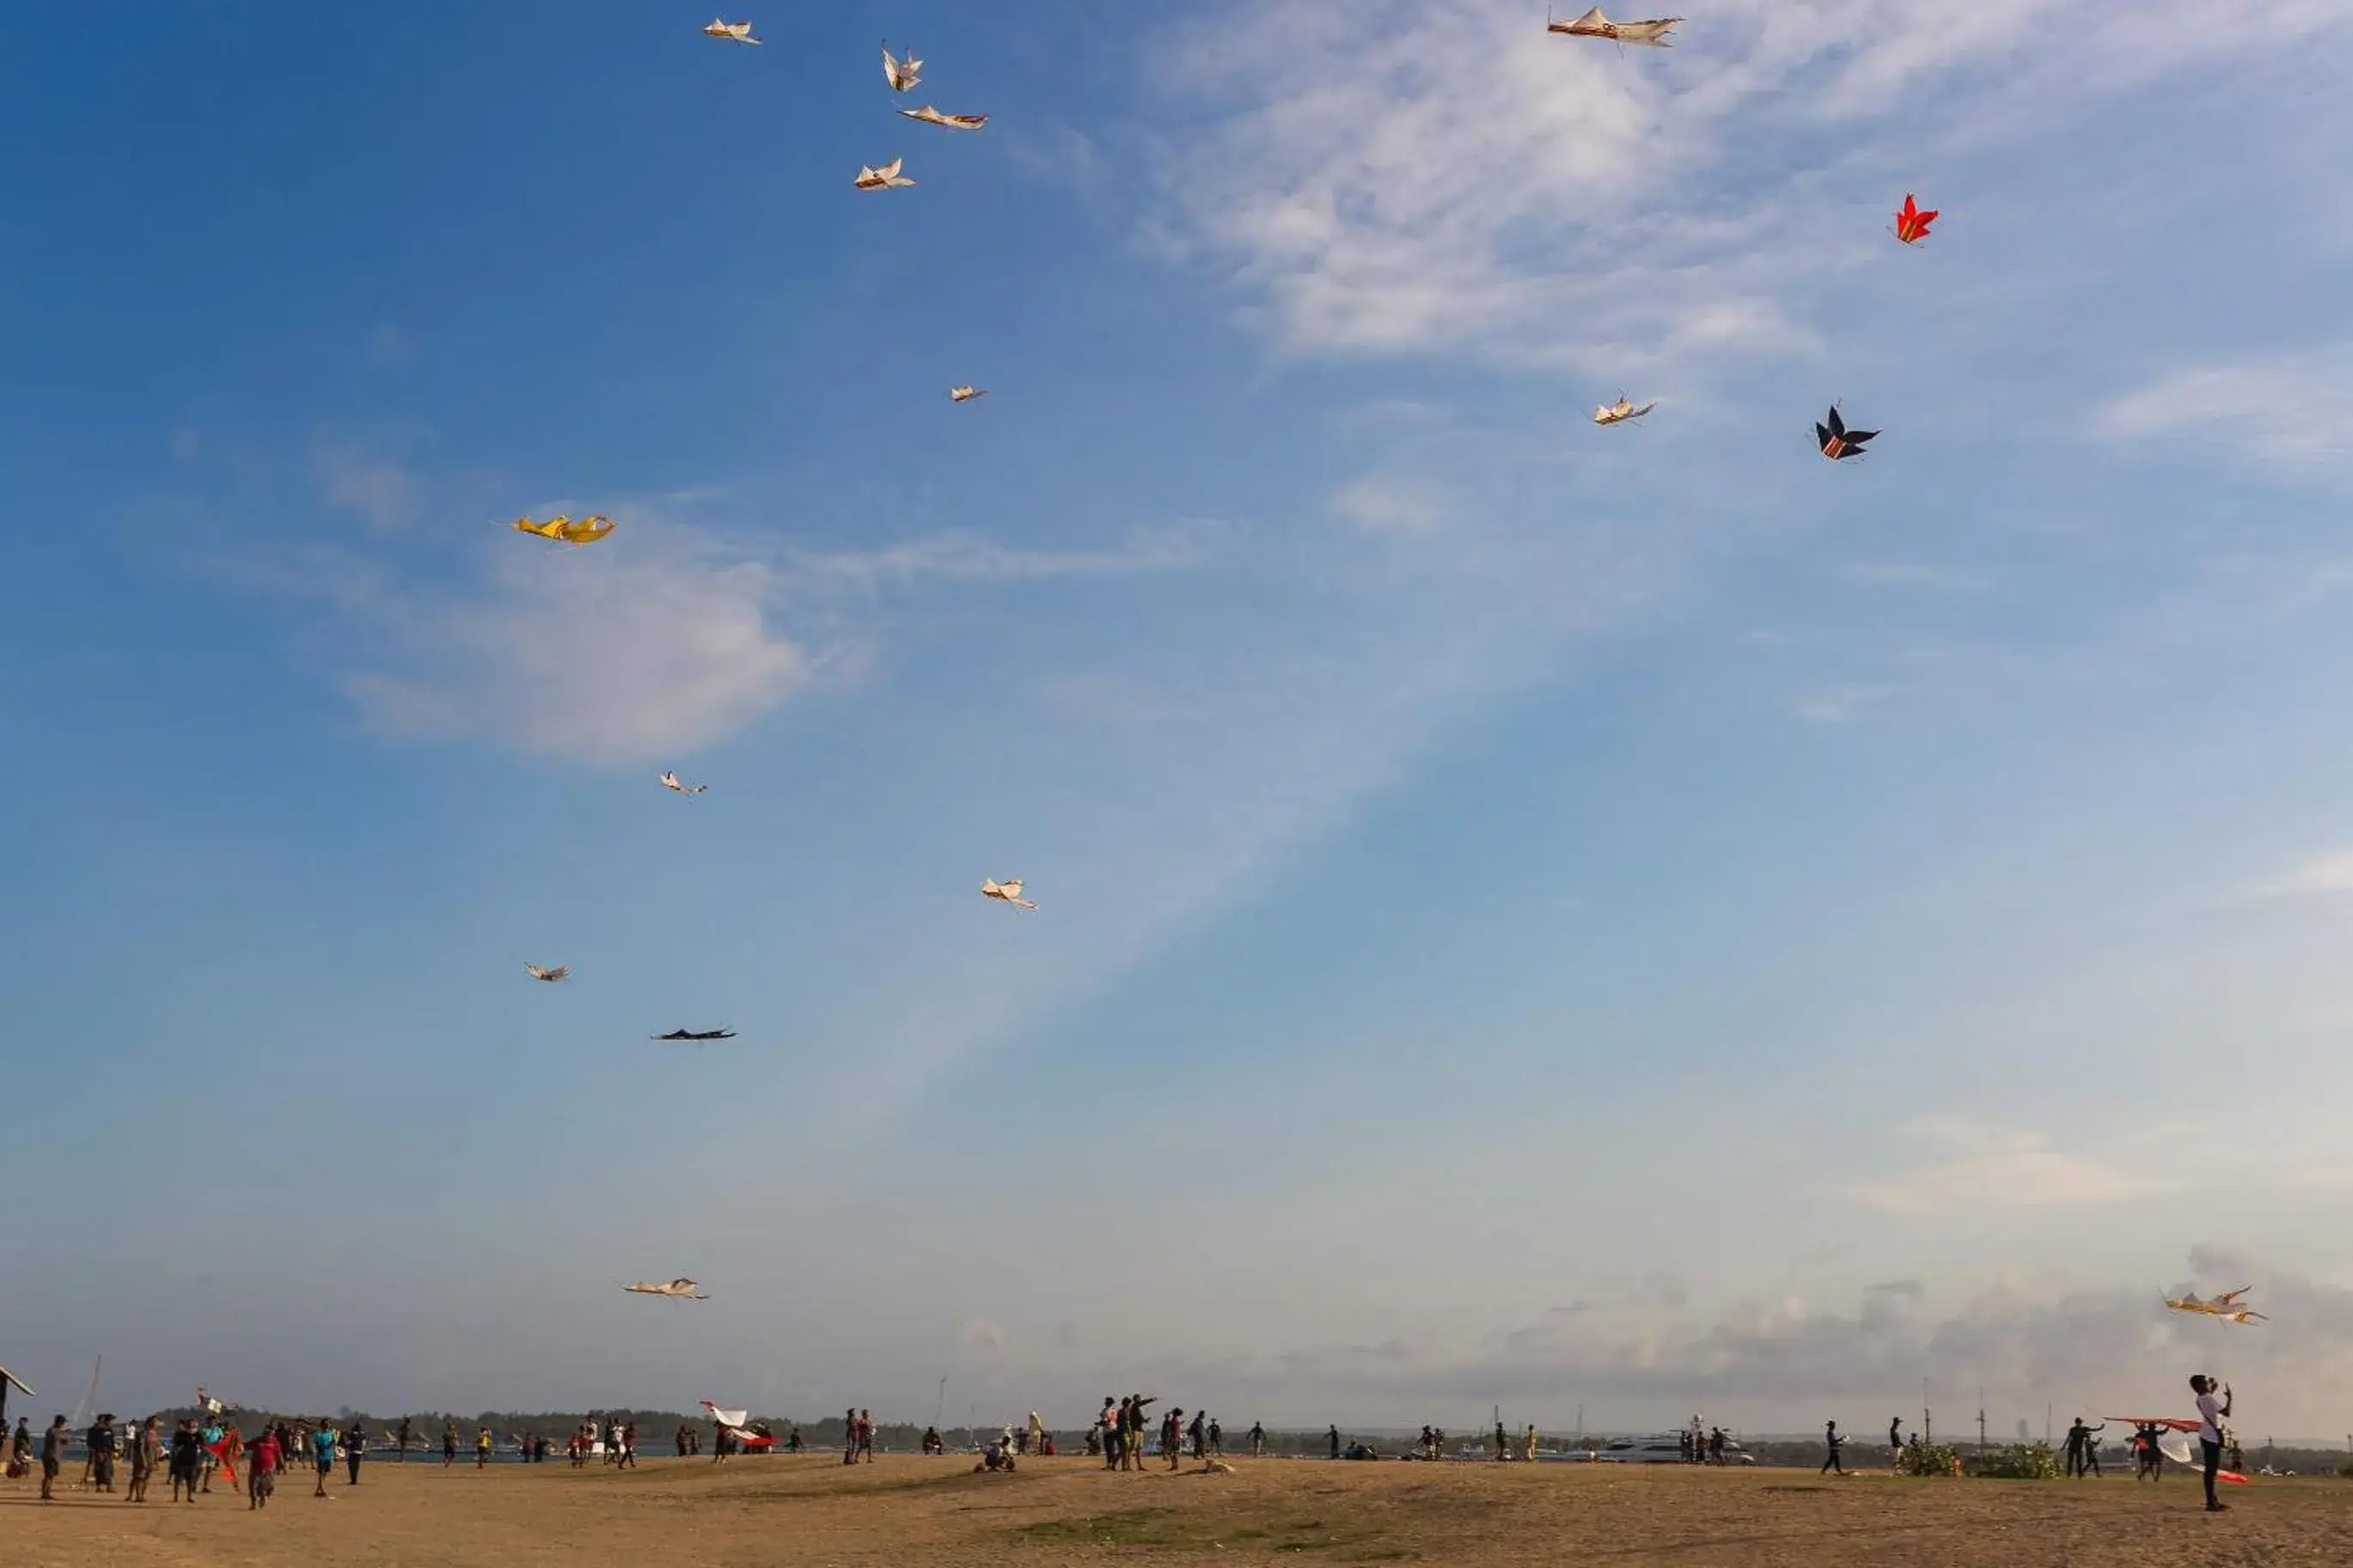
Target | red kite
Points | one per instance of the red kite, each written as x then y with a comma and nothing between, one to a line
1911,223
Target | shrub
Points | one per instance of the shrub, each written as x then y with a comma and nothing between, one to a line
1930,1459
2018,1462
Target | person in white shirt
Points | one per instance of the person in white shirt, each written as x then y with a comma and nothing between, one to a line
2212,1412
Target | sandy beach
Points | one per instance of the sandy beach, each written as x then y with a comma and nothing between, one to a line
910,1510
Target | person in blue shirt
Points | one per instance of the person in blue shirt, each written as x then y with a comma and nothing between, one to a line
322,1448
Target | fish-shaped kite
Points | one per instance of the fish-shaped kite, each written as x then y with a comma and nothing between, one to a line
670,782
696,1034
1837,441
1618,413
734,32
2224,1305
567,531
1911,222
902,74
1007,892
931,116
886,178
560,972
1594,25
678,1290
966,393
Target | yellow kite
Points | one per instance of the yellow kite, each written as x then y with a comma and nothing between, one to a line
566,530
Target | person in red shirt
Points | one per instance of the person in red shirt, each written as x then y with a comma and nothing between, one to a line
261,1469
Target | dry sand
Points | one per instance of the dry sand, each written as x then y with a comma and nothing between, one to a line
917,1513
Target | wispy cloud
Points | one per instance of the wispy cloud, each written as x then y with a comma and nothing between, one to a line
1984,1168
1835,704
1442,175
2328,873
357,480
1380,503
2290,408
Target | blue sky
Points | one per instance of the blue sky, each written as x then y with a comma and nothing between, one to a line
1640,918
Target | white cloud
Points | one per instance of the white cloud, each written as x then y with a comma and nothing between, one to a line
1835,704
2330,873
357,480
1442,175
2291,408
609,656
1381,503
1991,1168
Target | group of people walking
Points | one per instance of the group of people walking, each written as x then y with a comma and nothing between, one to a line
1118,1434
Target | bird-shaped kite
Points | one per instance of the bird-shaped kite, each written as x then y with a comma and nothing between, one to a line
902,74
696,1034
560,972
734,32
567,531
670,782
1837,441
966,393
678,1290
1618,413
2224,1305
1911,222
737,1424
931,116
1594,25
1007,892
886,178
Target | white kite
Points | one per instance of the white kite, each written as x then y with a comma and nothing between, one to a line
902,74
931,116
2224,1305
966,393
886,178
1618,413
670,782
1594,25
737,1424
735,32
560,972
1007,892
678,1290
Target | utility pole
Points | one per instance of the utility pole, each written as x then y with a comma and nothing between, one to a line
1928,1427
1980,1418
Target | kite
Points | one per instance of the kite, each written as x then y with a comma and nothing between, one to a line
2179,1449
670,782
565,531
734,32
966,393
931,116
1594,25
1009,892
1837,441
678,1290
886,178
696,1034
1621,410
2224,1305
560,972
902,74
7,1381
736,1424
1911,223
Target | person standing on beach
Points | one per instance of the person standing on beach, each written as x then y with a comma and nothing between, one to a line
1216,1438
322,1457
261,1469
146,1449
103,1446
1832,1441
187,1451
1258,1439
482,1447
628,1445
355,1449
449,1443
2211,1414
1136,1429
1172,1435
404,1439
20,1448
1502,1443
866,1435
52,1455
1531,1454
1199,1432
1333,1438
